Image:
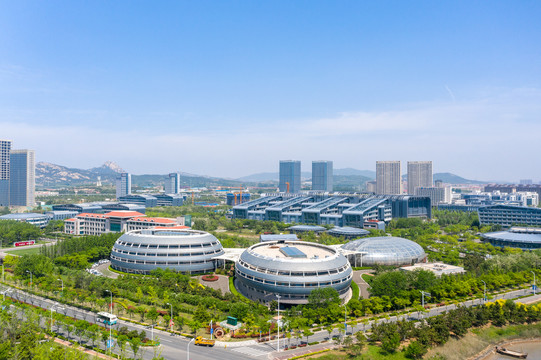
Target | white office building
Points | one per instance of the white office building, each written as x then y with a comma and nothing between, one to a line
419,175
123,185
388,180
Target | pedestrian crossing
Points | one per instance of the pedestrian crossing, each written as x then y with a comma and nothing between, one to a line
258,350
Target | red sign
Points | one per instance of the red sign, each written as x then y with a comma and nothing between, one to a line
24,243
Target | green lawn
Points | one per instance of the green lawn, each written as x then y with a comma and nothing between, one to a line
370,352
21,252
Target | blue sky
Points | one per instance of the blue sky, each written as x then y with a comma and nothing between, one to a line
228,88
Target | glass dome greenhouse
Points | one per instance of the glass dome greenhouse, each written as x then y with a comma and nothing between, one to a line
384,250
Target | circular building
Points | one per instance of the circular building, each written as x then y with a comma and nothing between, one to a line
290,269
348,232
523,238
187,251
306,228
384,250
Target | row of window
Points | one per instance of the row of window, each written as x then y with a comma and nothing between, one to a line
145,262
293,284
293,273
167,246
212,252
287,296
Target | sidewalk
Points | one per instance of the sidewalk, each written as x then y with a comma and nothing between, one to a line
82,349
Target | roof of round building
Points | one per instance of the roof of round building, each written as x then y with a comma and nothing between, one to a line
393,246
290,255
169,236
513,237
23,216
306,228
350,231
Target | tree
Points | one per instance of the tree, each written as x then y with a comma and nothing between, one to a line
201,315
307,333
415,350
323,297
122,341
329,329
153,314
390,343
135,345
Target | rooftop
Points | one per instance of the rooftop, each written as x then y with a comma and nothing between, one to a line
153,220
281,250
124,214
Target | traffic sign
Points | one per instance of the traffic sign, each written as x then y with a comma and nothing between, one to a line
110,343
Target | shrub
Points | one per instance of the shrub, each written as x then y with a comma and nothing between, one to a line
209,278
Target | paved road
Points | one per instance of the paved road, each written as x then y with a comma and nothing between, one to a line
174,347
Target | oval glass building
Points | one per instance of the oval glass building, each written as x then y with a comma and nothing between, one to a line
290,269
384,250
186,251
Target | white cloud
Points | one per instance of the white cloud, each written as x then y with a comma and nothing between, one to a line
493,137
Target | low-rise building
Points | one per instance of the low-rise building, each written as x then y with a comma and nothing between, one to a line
40,220
116,221
438,269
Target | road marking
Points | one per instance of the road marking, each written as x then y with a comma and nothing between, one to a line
259,351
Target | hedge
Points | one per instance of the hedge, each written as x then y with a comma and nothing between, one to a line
309,354
355,290
232,287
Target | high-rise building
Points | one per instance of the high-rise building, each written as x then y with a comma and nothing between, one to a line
388,178
419,175
22,182
5,149
371,186
526,182
290,173
172,183
123,185
322,175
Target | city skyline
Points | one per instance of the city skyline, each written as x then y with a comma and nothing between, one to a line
342,79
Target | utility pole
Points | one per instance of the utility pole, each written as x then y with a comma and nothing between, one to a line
345,321
278,324
533,282
423,294
484,292
171,321
110,325
31,278
62,286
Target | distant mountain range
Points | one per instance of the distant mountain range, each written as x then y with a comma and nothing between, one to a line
449,178
48,175
274,176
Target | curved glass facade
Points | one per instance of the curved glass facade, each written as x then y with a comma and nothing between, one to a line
265,270
525,241
385,250
186,251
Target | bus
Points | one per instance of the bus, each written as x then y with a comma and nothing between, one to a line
106,318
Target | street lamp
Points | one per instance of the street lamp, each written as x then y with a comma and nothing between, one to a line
423,294
31,277
62,286
188,349
345,321
110,325
533,282
484,291
278,323
171,321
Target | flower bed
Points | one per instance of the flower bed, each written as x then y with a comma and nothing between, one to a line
209,278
